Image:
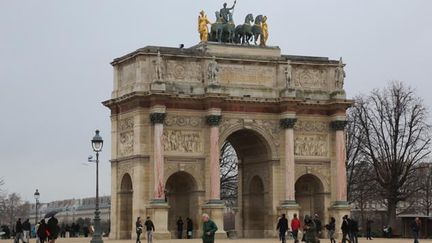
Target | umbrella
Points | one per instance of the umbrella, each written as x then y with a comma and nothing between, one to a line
50,214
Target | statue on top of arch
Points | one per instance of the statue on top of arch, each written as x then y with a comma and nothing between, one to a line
224,30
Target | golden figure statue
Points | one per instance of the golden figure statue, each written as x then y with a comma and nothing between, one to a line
202,26
264,32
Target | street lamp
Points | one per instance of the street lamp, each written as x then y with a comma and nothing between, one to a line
36,197
97,144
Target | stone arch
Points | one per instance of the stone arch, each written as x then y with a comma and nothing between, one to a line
270,143
310,195
125,206
317,172
182,197
254,155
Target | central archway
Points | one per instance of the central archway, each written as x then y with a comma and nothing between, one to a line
182,197
254,155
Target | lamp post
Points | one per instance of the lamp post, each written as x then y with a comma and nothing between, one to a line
36,197
97,144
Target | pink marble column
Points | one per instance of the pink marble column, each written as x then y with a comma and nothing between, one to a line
341,179
213,121
288,125
159,186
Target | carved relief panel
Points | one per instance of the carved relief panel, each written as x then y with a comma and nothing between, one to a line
126,137
184,71
182,141
311,138
310,78
247,74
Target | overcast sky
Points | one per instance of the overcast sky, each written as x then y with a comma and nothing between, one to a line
55,71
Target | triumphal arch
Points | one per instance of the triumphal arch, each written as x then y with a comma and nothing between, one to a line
173,108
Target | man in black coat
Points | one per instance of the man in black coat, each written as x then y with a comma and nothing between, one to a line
179,228
26,226
345,229
19,232
189,228
282,226
318,225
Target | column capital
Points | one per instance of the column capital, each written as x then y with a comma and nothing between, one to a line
287,123
157,117
338,125
213,120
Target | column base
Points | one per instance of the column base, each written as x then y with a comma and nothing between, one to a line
158,212
338,210
215,209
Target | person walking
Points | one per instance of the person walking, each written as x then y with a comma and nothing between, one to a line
345,227
179,228
53,229
189,228
150,229
139,229
26,230
209,229
42,231
331,228
309,229
354,229
369,229
295,226
282,226
318,225
19,232
415,227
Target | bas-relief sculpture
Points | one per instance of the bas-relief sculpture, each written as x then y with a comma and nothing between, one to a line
311,138
183,121
182,141
311,145
126,136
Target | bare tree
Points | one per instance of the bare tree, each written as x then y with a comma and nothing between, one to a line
11,208
229,174
354,157
421,201
396,139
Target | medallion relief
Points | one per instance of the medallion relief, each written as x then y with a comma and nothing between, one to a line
308,78
182,141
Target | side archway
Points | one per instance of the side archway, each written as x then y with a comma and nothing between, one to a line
182,197
309,194
125,206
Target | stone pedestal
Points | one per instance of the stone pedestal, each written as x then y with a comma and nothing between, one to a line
158,211
288,92
215,209
338,210
158,86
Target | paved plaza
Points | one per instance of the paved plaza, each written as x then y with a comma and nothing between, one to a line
87,240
